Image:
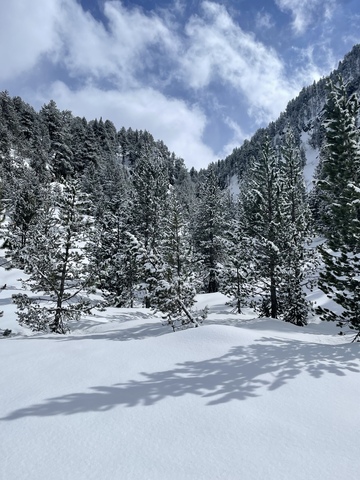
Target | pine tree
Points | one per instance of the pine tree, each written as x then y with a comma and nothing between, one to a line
208,231
237,273
58,127
2,218
26,199
9,117
114,250
150,184
339,163
260,196
278,222
339,190
168,267
297,259
56,264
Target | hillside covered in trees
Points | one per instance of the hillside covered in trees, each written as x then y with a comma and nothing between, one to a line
86,208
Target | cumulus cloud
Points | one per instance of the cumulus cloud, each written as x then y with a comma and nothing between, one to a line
304,12
220,50
27,31
171,120
130,44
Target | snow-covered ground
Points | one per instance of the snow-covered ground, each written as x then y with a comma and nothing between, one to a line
123,397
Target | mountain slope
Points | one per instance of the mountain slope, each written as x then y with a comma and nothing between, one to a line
303,114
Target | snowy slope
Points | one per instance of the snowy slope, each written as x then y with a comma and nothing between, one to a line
234,187
312,160
122,397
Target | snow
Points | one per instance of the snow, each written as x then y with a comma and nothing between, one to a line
234,187
123,397
312,160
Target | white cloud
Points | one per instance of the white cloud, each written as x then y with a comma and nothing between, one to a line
181,127
220,50
118,52
312,70
27,31
304,12
263,21
237,139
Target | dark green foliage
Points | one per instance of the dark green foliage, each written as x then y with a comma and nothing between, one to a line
113,250
339,193
298,259
150,184
261,204
341,282
60,152
172,294
27,199
276,219
169,268
210,221
237,271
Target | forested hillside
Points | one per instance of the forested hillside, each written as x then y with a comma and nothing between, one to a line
304,114
86,208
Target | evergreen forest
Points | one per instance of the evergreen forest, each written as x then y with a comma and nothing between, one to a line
88,209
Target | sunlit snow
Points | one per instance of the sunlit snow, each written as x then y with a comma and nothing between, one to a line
123,397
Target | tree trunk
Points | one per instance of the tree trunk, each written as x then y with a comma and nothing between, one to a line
238,291
57,325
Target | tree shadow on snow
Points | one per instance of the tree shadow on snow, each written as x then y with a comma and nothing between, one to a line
242,373
136,332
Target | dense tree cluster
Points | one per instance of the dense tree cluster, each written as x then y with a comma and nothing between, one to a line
88,208
338,191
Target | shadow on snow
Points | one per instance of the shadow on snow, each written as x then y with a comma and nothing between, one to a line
242,373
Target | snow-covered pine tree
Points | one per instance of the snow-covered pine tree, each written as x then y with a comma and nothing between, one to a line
260,197
208,230
150,185
58,127
237,272
2,218
339,190
169,269
114,257
2,202
55,260
9,126
26,199
297,259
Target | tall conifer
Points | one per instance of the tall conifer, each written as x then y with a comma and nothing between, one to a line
339,191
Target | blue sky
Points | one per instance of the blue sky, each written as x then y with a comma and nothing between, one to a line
200,75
